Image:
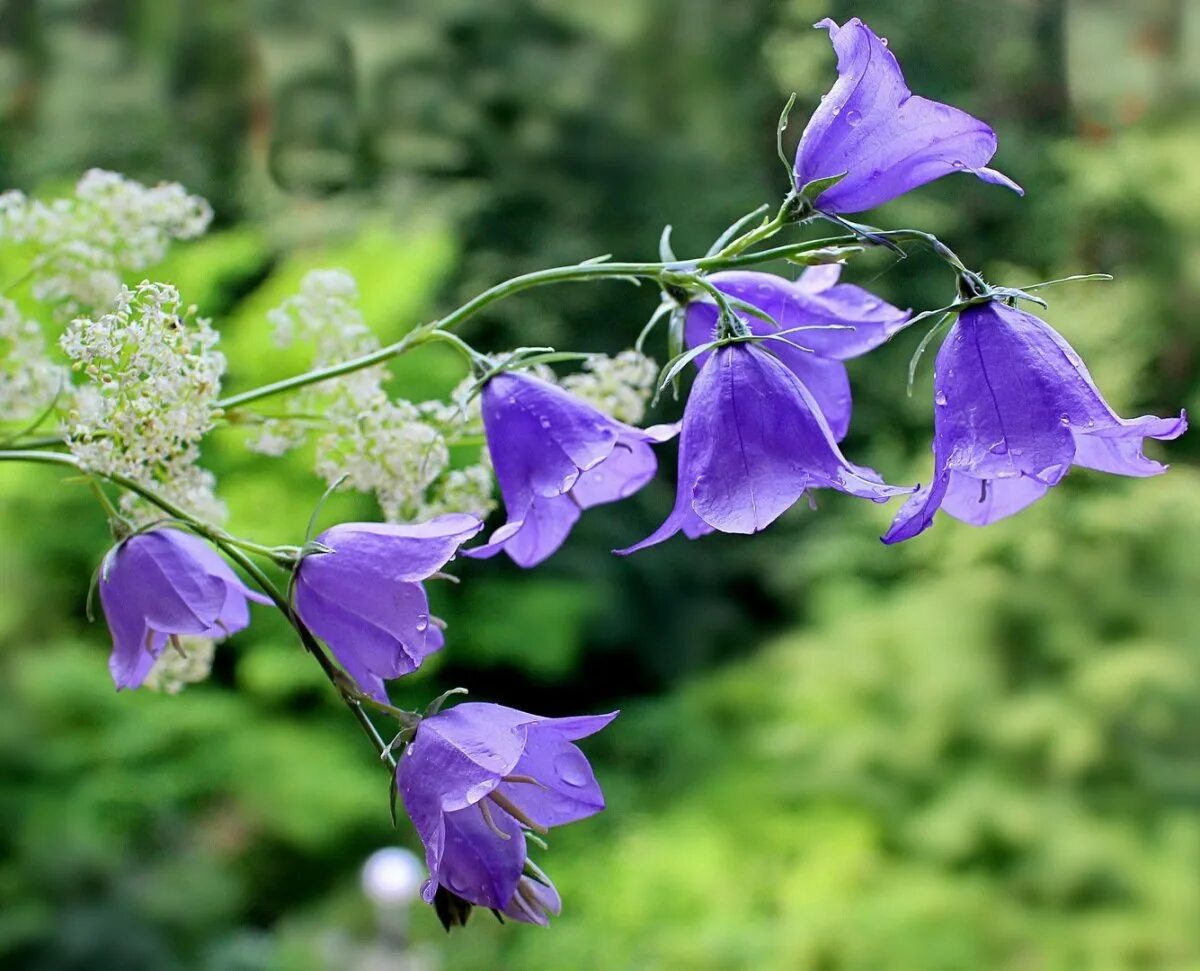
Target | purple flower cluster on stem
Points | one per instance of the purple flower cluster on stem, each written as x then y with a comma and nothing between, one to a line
1015,408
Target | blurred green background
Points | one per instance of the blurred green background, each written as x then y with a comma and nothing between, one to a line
979,750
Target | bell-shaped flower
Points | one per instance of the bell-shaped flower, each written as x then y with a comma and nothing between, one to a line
839,321
555,456
1014,409
160,584
881,138
364,597
753,442
475,779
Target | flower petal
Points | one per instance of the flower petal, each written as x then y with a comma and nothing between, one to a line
476,863
762,442
379,633
372,554
461,753
566,788
542,527
983,501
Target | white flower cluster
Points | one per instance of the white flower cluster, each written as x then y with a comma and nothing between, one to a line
82,244
153,379
185,660
397,450
619,386
29,380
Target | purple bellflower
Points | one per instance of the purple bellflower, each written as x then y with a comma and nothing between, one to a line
816,299
474,779
365,598
555,456
879,136
753,442
162,583
1015,408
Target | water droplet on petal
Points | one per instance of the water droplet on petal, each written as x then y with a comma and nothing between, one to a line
422,624
959,164
999,448
572,768
1065,419
940,398
853,118
544,422
837,110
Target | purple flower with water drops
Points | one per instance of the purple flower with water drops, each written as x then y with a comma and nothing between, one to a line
160,584
879,136
365,599
753,442
1015,408
475,779
854,322
555,456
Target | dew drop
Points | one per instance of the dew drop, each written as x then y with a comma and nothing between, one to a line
1065,419
456,883
1091,423
836,110
512,400
853,118
940,398
422,623
572,768
999,448
959,164
544,422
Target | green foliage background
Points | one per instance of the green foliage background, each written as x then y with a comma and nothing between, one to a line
979,750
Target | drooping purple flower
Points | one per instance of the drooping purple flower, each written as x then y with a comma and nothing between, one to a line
1015,408
753,442
555,456
474,779
161,583
815,300
882,137
365,598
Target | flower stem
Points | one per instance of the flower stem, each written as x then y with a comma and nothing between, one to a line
577,273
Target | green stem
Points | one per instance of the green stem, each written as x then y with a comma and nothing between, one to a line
233,548
528,281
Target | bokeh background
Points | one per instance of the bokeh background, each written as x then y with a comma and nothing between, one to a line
979,750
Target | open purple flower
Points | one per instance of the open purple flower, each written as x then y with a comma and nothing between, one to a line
753,442
815,300
474,779
555,456
1015,408
365,598
879,136
162,583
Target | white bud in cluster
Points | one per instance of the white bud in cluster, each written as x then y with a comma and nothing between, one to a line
153,379
397,450
185,660
619,386
84,243
29,380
